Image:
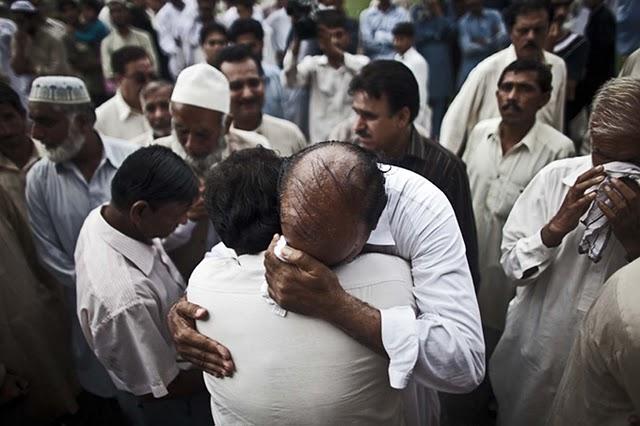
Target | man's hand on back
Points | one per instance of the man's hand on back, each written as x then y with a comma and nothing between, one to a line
201,351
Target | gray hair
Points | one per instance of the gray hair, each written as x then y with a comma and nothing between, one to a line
616,110
153,87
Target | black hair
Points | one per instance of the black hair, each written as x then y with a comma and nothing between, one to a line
390,78
331,18
241,198
404,29
245,26
91,4
365,174
63,4
543,72
125,55
212,27
236,53
154,174
521,7
10,97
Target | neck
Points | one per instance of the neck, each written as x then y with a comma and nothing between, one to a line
120,221
88,159
383,6
398,150
248,123
123,31
131,99
19,153
512,133
404,51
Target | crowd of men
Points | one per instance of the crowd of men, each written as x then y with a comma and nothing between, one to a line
274,213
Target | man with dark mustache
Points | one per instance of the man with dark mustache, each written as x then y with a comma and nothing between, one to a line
528,24
503,154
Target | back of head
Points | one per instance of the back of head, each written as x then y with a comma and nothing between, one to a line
391,79
404,29
10,97
234,54
522,7
125,55
245,26
542,70
241,198
154,174
331,18
614,115
327,191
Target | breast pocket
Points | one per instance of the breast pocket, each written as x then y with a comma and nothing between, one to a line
502,196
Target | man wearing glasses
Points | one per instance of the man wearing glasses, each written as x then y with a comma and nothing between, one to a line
121,116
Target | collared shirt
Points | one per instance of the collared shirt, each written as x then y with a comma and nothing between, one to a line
169,23
280,23
376,27
631,67
476,100
316,368
115,41
125,289
14,179
447,172
420,69
284,136
46,53
330,102
543,318
275,97
497,180
601,384
58,200
115,118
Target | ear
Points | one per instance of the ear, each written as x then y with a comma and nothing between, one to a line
138,212
404,116
545,98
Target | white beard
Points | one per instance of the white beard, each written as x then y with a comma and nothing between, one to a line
201,165
67,149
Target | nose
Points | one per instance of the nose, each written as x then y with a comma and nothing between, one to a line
360,124
246,91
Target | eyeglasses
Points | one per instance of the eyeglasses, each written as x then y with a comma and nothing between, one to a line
252,83
142,77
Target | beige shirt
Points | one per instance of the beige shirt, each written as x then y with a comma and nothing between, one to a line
305,371
476,100
496,182
631,67
330,102
284,136
46,53
601,384
115,41
115,118
14,179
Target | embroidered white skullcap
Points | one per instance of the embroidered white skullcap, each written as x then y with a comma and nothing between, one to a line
23,6
58,89
203,86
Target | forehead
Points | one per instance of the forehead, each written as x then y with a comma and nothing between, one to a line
366,102
40,109
194,117
246,38
237,70
142,64
521,77
533,18
159,95
215,35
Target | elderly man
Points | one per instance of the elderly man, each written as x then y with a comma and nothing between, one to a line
427,351
246,81
543,238
228,283
154,100
62,188
528,24
121,116
502,156
126,284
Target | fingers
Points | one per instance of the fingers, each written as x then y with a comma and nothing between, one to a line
591,173
626,190
209,362
586,184
190,310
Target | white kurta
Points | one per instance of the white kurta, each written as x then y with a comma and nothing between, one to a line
284,137
496,182
420,69
115,118
477,101
543,318
631,67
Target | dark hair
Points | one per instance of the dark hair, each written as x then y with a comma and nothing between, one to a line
63,4
125,55
91,4
154,174
241,198
245,26
10,97
404,29
521,7
543,72
365,173
331,18
236,53
390,78
212,27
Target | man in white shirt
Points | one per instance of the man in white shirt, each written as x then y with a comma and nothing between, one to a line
403,38
502,156
328,75
631,67
126,283
188,32
307,372
154,100
556,284
121,116
528,25
439,348
167,24
246,81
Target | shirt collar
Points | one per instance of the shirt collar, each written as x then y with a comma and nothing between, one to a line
571,178
140,254
529,139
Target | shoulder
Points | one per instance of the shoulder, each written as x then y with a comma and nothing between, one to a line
141,33
366,13
553,139
119,146
39,172
106,107
402,184
558,170
372,268
555,61
628,298
282,124
488,125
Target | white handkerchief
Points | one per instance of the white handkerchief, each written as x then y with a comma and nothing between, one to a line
264,289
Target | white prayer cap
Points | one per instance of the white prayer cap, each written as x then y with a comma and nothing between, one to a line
203,86
23,6
54,89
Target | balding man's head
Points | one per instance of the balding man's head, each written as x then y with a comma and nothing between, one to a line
331,197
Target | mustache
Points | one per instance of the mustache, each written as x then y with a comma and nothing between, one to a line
531,44
511,105
363,133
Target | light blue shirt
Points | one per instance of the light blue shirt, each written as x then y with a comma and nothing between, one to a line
628,23
375,30
58,201
274,93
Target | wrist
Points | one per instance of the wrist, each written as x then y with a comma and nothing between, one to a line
551,235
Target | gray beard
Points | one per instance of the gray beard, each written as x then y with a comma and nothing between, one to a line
202,165
68,149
